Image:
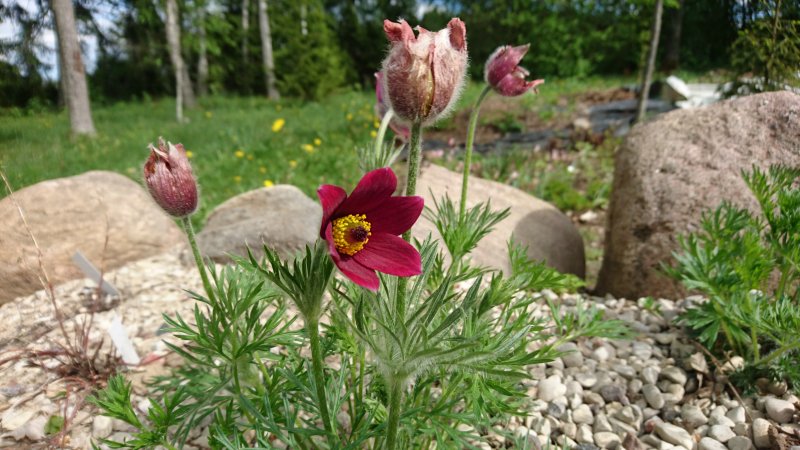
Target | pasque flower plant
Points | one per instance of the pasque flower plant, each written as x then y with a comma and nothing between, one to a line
432,322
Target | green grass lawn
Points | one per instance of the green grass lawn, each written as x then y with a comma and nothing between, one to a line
232,143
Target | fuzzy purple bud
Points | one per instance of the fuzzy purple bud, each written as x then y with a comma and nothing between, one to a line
382,108
424,74
504,74
169,179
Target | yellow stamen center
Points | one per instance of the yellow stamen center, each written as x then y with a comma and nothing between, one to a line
351,233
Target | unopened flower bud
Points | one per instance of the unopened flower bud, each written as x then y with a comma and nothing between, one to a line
504,74
424,74
169,179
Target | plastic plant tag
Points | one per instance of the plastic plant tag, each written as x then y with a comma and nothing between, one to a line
119,336
92,273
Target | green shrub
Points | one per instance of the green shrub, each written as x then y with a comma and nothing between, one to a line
748,266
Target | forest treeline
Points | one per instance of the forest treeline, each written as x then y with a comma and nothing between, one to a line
319,46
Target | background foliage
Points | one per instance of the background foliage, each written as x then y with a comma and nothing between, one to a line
342,41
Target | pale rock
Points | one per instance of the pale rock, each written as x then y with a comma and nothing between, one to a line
593,398
33,429
573,388
742,429
584,434
642,350
710,444
720,420
573,356
721,433
601,353
541,426
740,443
606,439
547,233
653,396
570,430
551,388
101,426
674,434
635,386
736,414
693,416
601,423
625,370
674,374
583,415
779,410
761,433
650,374
586,379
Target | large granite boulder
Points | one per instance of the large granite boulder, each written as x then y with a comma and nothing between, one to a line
281,217
547,233
78,213
671,169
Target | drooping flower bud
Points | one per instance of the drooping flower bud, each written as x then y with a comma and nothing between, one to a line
504,74
424,74
382,107
168,176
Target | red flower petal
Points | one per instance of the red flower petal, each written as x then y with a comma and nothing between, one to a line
356,272
375,188
395,215
390,254
330,197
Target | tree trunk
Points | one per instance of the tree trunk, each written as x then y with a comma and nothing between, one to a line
73,75
672,47
651,61
245,29
266,50
183,87
202,61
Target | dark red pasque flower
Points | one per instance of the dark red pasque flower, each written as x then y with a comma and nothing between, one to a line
168,176
504,74
362,229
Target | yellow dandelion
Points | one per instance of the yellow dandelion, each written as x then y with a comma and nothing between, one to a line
349,116
292,164
308,148
237,179
376,124
209,115
373,133
250,157
262,169
317,142
268,183
189,153
278,125
239,153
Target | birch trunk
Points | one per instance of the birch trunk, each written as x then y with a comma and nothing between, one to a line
651,61
245,29
266,50
202,60
73,74
183,87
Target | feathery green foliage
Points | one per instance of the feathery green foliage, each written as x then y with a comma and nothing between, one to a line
748,266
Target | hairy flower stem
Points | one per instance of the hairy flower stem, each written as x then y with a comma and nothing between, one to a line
312,328
395,400
198,259
382,131
473,122
414,157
